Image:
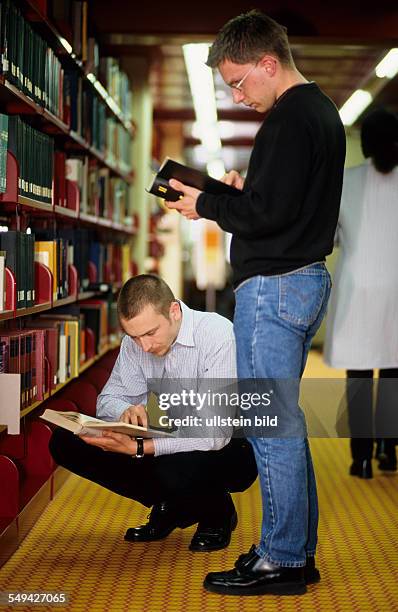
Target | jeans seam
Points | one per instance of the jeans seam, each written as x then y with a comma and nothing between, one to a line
267,482
253,342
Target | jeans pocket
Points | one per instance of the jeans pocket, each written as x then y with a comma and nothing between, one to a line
301,296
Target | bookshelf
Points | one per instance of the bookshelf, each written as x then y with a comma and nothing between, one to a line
37,17
66,178
14,101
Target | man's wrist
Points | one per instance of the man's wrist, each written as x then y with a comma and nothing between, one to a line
139,448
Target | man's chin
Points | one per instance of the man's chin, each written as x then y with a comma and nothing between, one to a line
160,352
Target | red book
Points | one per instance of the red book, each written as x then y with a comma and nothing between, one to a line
51,340
38,363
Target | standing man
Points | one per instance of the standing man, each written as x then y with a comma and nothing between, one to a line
283,226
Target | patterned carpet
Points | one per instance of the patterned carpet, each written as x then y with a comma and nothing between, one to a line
77,547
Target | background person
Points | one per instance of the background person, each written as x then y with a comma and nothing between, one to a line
362,331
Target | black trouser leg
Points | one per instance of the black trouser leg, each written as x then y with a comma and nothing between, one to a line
196,482
202,481
360,412
386,414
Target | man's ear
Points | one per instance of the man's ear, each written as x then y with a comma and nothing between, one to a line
175,311
269,64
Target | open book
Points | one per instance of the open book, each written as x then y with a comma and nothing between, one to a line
81,424
189,176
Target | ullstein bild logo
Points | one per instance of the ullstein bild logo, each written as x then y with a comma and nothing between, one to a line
218,421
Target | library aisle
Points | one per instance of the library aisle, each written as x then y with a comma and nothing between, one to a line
77,547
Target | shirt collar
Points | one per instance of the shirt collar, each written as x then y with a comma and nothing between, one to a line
185,335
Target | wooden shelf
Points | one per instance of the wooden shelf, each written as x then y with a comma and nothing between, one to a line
28,409
35,204
71,299
6,314
107,223
87,364
23,312
63,211
86,295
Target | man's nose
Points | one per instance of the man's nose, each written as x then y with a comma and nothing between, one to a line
146,344
237,96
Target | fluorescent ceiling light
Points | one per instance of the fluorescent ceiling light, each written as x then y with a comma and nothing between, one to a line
201,82
354,106
204,99
388,67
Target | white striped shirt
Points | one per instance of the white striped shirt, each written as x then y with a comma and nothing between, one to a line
204,349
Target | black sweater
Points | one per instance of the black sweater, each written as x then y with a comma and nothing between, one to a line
287,214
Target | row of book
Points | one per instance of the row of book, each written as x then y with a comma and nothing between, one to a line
100,194
43,172
51,348
29,64
70,18
110,262
34,152
18,249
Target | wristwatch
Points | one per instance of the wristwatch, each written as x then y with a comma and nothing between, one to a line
139,453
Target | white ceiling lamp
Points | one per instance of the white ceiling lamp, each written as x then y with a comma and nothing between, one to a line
204,100
388,67
354,106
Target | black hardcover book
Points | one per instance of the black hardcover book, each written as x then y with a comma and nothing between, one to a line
189,176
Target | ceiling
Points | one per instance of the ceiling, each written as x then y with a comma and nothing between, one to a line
338,46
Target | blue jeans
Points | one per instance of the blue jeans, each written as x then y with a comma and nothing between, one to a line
276,318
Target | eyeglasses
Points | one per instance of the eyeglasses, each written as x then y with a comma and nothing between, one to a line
238,85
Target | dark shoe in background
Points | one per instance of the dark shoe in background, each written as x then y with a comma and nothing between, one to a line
253,575
209,537
162,521
362,468
386,454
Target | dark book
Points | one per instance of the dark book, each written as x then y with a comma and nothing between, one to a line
189,176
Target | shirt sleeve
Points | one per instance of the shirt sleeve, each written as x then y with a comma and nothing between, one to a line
126,386
220,370
273,199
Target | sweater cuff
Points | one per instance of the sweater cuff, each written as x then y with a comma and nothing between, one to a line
206,206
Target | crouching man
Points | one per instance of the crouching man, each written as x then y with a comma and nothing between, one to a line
184,480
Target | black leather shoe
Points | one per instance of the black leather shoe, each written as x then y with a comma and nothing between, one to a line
362,468
386,454
162,521
311,573
255,576
212,537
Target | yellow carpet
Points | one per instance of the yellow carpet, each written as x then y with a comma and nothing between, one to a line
77,547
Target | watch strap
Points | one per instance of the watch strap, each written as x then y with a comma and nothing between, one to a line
139,453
